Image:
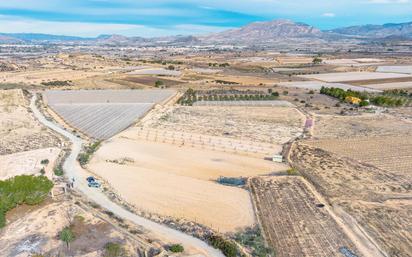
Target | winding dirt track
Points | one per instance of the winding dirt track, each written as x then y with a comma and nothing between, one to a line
74,171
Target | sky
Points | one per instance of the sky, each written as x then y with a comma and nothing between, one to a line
152,18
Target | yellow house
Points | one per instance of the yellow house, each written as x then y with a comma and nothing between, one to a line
353,100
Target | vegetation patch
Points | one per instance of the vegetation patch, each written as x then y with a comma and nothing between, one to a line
388,98
114,250
231,181
176,248
252,239
89,150
23,189
227,247
191,96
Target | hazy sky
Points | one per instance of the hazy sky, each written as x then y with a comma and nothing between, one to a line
161,17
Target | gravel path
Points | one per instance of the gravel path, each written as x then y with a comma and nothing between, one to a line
73,170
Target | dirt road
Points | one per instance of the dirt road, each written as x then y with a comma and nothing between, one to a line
74,171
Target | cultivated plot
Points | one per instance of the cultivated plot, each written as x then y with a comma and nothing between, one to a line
101,121
388,86
274,125
101,114
407,69
178,181
245,103
354,76
392,153
316,85
294,221
156,71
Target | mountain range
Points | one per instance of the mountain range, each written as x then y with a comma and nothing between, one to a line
257,32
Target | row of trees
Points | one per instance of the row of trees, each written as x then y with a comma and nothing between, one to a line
192,96
379,100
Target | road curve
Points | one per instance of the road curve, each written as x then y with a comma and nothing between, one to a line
72,169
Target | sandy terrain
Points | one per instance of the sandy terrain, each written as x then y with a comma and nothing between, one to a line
28,163
354,76
175,181
19,131
35,231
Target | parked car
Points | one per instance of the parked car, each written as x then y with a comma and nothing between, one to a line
90,179
94,184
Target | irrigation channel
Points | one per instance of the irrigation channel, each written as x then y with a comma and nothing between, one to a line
73,169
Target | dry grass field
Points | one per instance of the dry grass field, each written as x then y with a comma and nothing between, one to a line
178,181
274,125
293,223
377,199
19,131
392,153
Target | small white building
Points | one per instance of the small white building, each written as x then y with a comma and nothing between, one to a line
277,158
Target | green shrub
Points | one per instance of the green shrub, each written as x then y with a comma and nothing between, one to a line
67,236
23,189
44,162
228,248
58,171
114,250
176,248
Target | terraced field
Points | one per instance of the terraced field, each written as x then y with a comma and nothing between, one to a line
293,221
101,114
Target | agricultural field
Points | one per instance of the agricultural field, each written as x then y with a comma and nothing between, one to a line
366,125
316,85
147,172
293,220
263,103
201,141
355,76
357,62
378,200
45,75
395,69
393,85
391,153
100,114
27,163
274,125
156,71
19,131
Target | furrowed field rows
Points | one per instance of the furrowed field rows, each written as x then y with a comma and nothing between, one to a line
101,121
101,114
389,153
294,222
